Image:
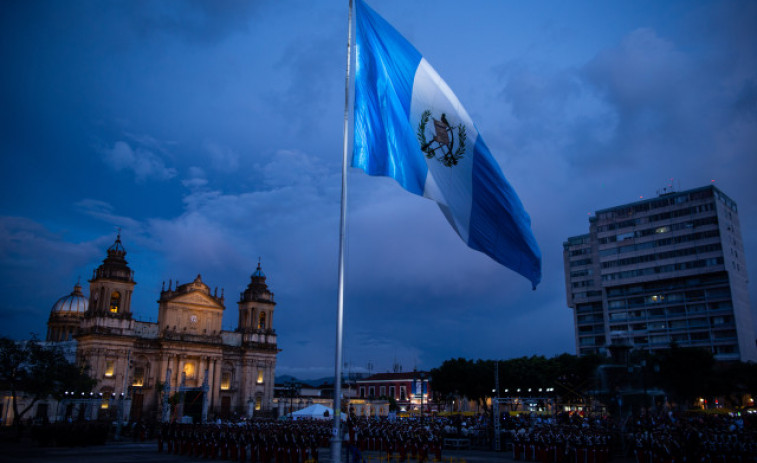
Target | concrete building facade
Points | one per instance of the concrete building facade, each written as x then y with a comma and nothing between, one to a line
660,271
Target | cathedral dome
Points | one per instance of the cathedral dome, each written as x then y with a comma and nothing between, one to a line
258,272
74,303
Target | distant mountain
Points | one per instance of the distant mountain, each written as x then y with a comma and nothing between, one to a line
311,382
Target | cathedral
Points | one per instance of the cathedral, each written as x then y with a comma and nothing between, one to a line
184,365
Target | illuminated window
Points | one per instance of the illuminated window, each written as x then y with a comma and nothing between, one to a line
664,229
189,370
260,376
226,381
115,301
109,367
261,321
105,403
257,403
139,377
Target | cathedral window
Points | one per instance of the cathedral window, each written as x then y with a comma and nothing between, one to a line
115,301
258,401
226,381
139,377
109,368
261,321
260,376
189,370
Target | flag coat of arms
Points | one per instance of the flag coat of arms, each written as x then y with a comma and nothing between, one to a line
410,126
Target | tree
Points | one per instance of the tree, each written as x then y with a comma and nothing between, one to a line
37,371
686,372
463,378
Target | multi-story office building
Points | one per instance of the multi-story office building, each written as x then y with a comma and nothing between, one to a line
661,271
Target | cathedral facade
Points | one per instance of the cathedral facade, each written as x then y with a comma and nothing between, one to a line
185,365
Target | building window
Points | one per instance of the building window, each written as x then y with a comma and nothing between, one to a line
115,301
226,381
260,376
403,393
362,392
382,391
189,370
371,392
258,401
391,392
139,376
664,229
261,321
109,368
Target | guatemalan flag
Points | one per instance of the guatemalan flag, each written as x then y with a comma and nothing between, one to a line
411,127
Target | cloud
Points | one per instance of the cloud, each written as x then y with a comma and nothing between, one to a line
194,21
222,158
292,167
144,163
195,179
28,249
103,211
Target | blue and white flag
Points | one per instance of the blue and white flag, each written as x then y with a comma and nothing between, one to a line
411,127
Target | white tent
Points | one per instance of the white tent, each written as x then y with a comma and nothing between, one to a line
317,411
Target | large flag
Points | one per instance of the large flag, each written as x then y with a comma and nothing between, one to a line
411,127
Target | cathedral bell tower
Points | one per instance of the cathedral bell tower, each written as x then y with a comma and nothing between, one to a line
256,306
111,285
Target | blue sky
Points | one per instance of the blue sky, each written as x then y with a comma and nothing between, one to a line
211,133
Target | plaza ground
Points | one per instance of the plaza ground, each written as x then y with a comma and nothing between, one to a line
146,452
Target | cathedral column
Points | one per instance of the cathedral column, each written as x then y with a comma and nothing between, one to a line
244,381
211,383
127,300
177,371
215,383
163,359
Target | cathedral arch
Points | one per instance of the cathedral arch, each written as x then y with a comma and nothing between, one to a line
261,321
115,302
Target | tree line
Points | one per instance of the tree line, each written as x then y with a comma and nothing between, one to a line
683,374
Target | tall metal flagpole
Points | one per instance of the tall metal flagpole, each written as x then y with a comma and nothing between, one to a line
336,437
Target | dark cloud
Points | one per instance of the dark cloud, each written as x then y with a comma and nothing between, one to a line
195,21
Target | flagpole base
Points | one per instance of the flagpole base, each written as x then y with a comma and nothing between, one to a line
336,449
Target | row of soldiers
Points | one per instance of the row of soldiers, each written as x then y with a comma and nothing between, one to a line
561,444
263,441
256,442
417,440
692,442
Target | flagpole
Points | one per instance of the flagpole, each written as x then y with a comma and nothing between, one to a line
336,438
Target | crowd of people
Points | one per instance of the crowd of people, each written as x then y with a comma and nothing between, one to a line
695,438
255,441
561,438
665,438
264,441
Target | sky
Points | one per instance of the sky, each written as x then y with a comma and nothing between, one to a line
210,134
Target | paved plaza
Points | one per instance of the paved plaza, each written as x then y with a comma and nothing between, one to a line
146,452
